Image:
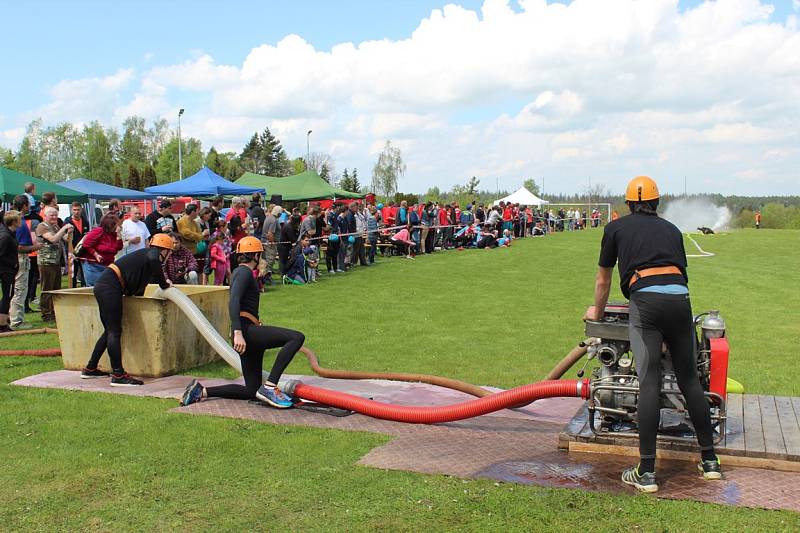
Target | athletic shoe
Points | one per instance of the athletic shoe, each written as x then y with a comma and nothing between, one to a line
339,270
644,482
89,373
711,470
192,394
23,326
124,380
409,257
274,397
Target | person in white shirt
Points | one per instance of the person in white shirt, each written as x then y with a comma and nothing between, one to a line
134,232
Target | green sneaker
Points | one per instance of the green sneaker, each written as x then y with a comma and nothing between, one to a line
711,470
644,482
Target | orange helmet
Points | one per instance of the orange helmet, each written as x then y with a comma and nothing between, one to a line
249,245
162,240
641,189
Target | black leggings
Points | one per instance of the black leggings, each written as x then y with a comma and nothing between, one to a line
7,287
108,293
258,339
666,317
332,256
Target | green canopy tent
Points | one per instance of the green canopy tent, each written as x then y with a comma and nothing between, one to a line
301,187
12,183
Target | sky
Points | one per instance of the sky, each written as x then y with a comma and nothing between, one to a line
571,94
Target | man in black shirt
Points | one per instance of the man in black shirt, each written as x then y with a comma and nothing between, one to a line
161,221
652,271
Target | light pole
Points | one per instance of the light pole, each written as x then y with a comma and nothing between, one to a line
308,149
180,154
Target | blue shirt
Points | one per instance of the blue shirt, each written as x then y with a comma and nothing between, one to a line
24,235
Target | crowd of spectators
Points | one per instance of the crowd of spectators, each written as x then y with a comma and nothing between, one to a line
297,244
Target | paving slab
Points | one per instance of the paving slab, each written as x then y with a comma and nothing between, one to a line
517,446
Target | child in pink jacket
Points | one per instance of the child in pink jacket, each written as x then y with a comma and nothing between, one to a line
219,259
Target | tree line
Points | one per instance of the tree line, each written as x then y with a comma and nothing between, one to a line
141,155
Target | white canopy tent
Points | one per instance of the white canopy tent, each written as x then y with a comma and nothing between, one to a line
522,196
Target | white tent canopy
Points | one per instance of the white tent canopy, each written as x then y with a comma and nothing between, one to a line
522,196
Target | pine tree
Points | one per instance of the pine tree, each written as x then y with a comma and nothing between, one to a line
345,183
213,162
117,179
249,157
325,172
356,186
134,179
149,177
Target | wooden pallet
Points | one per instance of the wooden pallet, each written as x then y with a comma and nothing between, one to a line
762,432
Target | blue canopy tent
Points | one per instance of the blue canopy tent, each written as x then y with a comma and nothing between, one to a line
102,191
205,183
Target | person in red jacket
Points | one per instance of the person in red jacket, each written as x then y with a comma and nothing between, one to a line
100,246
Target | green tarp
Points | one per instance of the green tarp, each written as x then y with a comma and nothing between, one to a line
12,183
300,187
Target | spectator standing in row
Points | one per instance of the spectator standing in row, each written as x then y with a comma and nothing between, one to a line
220,264
161,220
372,233
81,225
134,232
25,246
269,236
289,234
334,243
8,263
362,217
257,215
50,255
100,247
344,246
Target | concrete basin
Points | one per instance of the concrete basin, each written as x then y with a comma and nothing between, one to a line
157,339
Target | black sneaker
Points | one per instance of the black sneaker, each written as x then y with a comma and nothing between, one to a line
711,470
192,394
645,482
125,380
90,373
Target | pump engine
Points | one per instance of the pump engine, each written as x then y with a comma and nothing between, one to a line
615,386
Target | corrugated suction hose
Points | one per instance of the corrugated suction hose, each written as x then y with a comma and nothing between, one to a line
445,413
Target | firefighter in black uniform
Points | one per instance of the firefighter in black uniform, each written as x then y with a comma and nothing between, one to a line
652,271
127,277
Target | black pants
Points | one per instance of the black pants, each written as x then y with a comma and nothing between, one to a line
7,288
373,247
108,293
359,252
655,318
332,256
258,339
283,257
33,278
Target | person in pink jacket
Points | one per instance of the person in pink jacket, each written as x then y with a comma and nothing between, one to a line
219,259
402,241
100,246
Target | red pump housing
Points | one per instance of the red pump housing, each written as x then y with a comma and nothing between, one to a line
718,376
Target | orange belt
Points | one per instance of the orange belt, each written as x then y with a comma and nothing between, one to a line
250,316
653,271
118,272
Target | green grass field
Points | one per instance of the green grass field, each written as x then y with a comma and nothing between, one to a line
79,461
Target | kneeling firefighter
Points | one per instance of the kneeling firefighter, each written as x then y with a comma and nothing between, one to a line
251,339
652,271
127,277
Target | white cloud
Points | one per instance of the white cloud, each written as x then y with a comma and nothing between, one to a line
591,88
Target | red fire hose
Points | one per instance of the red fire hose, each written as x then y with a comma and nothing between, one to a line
444,413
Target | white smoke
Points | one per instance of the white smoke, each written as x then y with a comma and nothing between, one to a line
692,213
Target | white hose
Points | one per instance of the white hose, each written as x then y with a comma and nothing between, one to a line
209,333
702,253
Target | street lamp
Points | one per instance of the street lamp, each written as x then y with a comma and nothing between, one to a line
308,150
180,154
